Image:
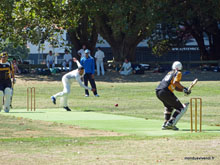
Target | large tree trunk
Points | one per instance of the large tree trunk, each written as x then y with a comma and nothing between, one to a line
213,32
123,44
78,40
216,53
197,33
215,46
204,55
120,51
82,36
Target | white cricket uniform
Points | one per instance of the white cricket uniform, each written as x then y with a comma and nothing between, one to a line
67,60
99,55
127,69
67,80
50,61
82,52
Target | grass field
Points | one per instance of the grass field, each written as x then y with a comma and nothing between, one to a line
97,132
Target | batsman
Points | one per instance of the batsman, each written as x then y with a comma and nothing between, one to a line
6,73
164,92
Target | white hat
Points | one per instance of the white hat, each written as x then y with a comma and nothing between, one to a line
177,65
87,51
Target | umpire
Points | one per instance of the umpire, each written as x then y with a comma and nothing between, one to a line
165,94
89,65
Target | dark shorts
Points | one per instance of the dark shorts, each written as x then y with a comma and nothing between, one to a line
5,84
169,100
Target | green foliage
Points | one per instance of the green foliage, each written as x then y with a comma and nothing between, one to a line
161,48
20,50
165,37
122,23
33,21
199,19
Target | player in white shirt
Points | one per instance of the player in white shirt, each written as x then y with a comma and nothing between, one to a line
126,68
99,55
67,80
67,60
50,60
82,51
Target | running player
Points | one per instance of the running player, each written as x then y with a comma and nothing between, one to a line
6,73
67,80
164,92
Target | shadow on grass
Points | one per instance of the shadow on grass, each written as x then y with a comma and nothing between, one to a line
114,76
28,112
89,111
203,130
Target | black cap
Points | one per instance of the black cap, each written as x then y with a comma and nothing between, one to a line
80,67
4,54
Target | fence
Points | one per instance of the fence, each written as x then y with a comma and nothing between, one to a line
189,56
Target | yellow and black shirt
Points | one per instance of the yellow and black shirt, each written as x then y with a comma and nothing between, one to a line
169,79
6,72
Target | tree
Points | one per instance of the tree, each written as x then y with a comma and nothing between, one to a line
165,37
19,50
10,38
123,24
36,21
200,18
6,8
80,25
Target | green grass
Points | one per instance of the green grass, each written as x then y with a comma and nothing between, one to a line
134,99
27,140
108,122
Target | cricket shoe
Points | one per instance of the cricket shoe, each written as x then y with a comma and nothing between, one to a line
164,126
96,95
53,99
167,126
6,110
86,95
171,128
67,108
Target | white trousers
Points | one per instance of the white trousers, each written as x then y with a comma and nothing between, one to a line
99,63
64,94
126,72
50,63
6,95
65,64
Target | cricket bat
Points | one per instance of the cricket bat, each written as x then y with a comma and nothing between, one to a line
192,84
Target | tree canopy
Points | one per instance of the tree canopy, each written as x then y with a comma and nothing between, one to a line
122,23
199,18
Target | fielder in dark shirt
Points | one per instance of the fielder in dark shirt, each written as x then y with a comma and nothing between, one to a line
89,65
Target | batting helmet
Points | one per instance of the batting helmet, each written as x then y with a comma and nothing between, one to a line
177,65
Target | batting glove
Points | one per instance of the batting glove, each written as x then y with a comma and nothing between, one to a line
186,91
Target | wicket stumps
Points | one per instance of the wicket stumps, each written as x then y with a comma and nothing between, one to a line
194,101
31,96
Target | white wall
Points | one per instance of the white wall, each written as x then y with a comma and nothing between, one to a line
34,48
